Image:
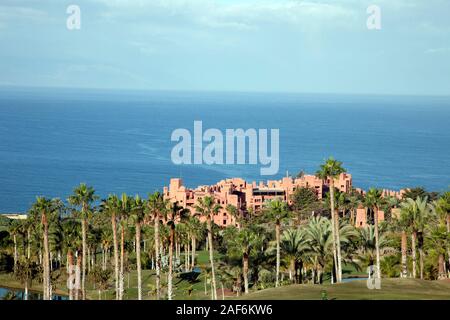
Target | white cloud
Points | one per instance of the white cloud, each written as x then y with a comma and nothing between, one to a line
15,13
437,51
235,15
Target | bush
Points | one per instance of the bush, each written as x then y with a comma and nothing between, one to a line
266,279
6,263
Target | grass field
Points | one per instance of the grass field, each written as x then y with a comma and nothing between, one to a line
391,289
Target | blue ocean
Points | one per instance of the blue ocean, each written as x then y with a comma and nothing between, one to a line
53,139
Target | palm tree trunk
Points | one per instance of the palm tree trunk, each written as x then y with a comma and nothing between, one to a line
292,272
377,243
169,276
46,261
77,276
70,269
158,258
193,252
413,248
333,225
338,248
441,269
15,251
223,291
245,271
26,290
277,236
421,262
188,256
448,231
83,259
122,256
211,258
404,246
28,243
116,255
138,259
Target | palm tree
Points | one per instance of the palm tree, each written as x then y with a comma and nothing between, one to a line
156,205
71,243
111,207
14,231
195,231
277,210
244,243
438,240
174,214
374,200
25,271
353,203
137,215
207,207
330,171
442,206
294,244
45,207
368,246
82,197
125,209
320,238
402,225
236,214
414,214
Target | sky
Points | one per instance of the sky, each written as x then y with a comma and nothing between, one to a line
228,45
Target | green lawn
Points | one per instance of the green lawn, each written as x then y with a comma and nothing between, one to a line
391,289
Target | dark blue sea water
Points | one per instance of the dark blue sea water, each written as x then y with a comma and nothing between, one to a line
53,139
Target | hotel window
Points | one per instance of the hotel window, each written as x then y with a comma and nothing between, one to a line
224,222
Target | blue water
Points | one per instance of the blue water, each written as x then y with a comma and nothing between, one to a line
51,140
20,294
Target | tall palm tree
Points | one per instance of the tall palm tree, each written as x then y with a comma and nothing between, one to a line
374,200
277,211
14,231
414,214
125,209
401,225
156,205
172,216
206,207
71,243
82,197
330,171
111,207
137,215
195,231
45,207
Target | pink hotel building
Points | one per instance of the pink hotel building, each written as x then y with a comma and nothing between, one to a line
251,196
